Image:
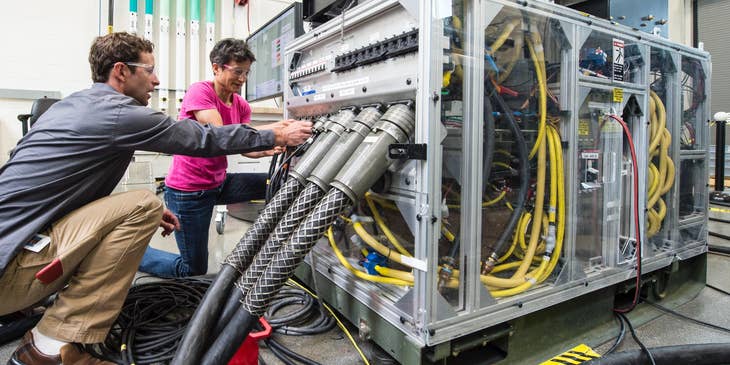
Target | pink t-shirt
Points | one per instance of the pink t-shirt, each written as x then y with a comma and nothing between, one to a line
204,173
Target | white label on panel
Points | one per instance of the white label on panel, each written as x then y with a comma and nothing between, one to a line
344,84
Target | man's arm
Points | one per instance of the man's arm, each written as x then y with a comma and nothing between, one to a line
142,128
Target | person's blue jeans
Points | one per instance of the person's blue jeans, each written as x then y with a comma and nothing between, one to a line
194,210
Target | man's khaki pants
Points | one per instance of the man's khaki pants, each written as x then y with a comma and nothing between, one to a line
100,246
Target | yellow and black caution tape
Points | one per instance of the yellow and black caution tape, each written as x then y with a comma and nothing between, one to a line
719,210
576,355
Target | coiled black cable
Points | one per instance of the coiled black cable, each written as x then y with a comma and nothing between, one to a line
152,321
308,319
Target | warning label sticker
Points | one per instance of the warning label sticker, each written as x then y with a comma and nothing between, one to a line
618,59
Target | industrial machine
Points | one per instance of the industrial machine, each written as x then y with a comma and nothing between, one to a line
488,181
518,190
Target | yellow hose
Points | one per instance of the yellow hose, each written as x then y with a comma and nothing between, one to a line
560,182
519,233
516,53
358,273
484,204
377,246
507,30
661,178
384,227
538,59
447,234
529,282
396,274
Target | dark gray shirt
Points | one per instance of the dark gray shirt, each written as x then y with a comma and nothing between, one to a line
80,148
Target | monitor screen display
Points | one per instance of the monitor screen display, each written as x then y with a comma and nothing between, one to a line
268,44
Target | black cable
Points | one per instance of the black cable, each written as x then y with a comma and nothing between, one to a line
231,306
680,315
488,157
152,321
204,319
621,334
524,170
719,235
226,345
14,325
722,250
279,354
282,352
308,319
713,202
695,354
636,338
717,289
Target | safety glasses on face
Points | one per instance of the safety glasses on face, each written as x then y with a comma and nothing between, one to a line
237,71
150,69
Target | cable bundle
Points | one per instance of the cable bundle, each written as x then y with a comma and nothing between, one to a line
152,322
308,319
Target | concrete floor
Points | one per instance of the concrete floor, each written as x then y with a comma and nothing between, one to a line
334,348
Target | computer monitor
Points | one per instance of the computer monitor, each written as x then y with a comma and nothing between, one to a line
268,44
317,12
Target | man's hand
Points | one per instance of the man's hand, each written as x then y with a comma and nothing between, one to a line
291,132
169,223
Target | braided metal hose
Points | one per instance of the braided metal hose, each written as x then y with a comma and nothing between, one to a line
320,179
250,244
286,260
361,170
206,317
275,275
304,204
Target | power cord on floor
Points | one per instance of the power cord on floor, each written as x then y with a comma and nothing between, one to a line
693,320
339,323
621,334
718,289
152,321
636,338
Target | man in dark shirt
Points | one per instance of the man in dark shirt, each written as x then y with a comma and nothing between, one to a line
57,183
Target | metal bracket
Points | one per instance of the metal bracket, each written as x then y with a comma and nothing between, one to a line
407,151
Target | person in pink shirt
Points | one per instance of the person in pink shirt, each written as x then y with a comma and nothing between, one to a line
194,185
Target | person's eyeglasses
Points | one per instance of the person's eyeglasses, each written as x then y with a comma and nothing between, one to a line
149,68
238,72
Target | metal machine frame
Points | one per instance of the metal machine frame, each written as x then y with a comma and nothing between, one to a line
406,320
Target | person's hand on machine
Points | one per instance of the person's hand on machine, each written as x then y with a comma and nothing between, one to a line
291,132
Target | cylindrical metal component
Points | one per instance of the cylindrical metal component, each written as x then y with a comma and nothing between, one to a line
370,160
290,256
299,210
337,125
250,244
333,160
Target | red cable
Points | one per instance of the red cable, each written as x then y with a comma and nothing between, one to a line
635,179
